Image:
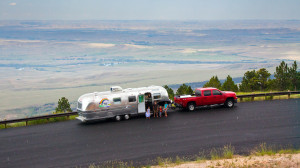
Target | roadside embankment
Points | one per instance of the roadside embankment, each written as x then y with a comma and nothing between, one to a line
277,160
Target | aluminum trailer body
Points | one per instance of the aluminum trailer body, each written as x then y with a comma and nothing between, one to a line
118,102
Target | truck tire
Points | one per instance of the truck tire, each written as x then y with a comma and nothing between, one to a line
191,106
126,116
229,103
118,118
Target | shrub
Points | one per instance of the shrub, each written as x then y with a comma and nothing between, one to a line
228,151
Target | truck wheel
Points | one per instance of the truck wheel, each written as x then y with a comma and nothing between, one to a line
126,116
191,106
118,118
229,103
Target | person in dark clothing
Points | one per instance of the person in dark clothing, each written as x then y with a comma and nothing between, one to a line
155,109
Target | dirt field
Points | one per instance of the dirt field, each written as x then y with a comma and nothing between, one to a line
278,160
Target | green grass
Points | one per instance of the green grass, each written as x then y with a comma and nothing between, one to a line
200,157
262,98
178,160
289,151
215,154
163,161
227,152
113,164
39,121
264,149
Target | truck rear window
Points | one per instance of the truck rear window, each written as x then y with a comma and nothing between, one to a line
198,92
207,92
216,92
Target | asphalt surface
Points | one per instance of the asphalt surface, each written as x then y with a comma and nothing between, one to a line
141,141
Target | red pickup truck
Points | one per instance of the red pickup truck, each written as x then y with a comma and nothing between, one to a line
206,96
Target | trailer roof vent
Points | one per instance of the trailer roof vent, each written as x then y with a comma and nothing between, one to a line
116,89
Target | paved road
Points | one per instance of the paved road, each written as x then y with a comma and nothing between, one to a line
71,144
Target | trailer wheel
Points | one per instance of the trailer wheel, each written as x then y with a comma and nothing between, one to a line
118,118
126,116
191,106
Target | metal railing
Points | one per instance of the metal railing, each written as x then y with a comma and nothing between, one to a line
252,96
5,122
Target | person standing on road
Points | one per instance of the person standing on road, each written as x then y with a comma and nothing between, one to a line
148,113
160,110
165,109
155,109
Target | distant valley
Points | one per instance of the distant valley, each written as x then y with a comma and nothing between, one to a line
42,61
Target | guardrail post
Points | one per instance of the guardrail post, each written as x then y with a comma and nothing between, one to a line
241,99
26,122
252,98
289,95
5,125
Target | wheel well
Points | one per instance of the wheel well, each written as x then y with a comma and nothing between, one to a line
191,102
230,98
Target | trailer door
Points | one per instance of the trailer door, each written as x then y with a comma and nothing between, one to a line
141,104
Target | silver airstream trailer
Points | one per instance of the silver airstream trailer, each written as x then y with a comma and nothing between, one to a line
119,103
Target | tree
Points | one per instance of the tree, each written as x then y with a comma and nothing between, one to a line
250,82
298,80
63,105
282,76
255,80
189,90
293,76
184,90
271,84
170,92
213,82
229,85
263,76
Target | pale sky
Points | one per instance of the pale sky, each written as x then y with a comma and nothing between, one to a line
149,9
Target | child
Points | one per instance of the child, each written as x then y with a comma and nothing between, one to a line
160,111
148,113
165,109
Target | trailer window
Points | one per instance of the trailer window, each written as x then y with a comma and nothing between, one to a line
156,96
216,92
131,98
198,92
117,100
207,92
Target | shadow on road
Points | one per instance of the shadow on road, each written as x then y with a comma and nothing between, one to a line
202,110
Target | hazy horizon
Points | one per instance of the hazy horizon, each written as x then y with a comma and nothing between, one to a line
149,10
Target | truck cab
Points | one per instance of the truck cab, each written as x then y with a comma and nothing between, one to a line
204,97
